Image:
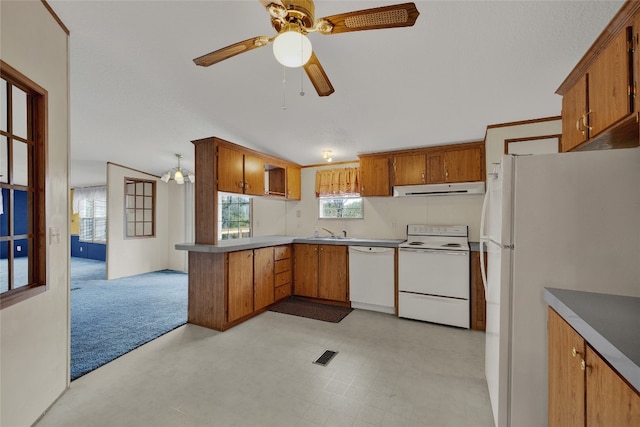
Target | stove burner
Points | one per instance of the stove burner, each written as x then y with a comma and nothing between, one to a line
452,245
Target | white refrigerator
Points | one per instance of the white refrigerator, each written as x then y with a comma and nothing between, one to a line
570,221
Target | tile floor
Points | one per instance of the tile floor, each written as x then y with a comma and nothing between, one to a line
388,372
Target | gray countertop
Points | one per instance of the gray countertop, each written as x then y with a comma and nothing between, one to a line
261,242
609,323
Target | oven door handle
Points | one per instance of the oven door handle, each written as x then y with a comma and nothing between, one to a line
435,251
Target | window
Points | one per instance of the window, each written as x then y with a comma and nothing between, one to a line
93,220
345,207
234,217
22,187
140,208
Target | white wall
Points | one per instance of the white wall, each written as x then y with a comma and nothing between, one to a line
178,223
127,257
34,338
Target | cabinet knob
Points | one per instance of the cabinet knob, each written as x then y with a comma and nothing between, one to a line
575,352
583,365
240,184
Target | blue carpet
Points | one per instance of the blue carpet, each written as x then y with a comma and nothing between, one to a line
109,318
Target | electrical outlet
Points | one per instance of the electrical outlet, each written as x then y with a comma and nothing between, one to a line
298,213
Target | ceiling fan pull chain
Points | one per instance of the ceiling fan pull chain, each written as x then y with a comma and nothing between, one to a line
301,81
284,87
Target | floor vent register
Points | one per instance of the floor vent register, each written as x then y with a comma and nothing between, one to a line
326,358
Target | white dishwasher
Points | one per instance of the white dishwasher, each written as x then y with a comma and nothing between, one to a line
372,278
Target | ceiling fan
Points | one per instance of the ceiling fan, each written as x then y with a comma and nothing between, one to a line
293,19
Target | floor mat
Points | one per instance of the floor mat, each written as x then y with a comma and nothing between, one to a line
311,310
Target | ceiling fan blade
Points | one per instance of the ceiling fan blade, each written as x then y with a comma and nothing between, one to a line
399,15
318,77
232,50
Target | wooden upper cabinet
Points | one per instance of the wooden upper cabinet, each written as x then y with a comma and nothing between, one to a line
253,175
409,169
566,377
435,167
574,116
294,186
610,400
609,79
374,176
230,170
464,165
333,273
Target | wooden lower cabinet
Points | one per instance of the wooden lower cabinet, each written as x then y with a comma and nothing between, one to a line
263,278
321,271
583,389
240,284
282,271
478,301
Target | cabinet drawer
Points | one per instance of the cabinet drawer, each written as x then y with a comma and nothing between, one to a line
282,278
281,252
282,291
282,265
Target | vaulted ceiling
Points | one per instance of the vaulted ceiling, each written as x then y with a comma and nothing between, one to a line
137,98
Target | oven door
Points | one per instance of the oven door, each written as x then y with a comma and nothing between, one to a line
434,272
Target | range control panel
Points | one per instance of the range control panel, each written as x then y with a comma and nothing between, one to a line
437,230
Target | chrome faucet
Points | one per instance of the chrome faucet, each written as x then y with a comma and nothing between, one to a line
344,234
329,231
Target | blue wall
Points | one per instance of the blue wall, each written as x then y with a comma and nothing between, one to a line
88,250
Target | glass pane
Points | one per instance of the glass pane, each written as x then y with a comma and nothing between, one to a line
4,266
148,202
20,163
147,229
139,229
3,105
4,155
131,229
131,202
139,202
148,189
131,215
19,112
20,264
20,212
148,217
140,188
131,188
139,215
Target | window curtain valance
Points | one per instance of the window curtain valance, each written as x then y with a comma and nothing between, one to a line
88,193
338,182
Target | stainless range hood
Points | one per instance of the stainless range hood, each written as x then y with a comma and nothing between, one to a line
453,189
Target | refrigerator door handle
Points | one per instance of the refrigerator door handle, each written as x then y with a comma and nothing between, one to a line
483,238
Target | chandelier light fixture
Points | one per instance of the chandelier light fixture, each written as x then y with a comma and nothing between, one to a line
326,154
292,48
178,174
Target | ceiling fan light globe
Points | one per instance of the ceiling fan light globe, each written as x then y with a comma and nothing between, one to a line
192,178
178,177
166,177
292,49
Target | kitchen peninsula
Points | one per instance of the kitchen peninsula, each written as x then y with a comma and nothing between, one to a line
234,280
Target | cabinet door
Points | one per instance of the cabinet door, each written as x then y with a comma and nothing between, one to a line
464,165
566,377
574,107
435,167
609,100
253,175
374,176
230,170
610,400
409,169
240,283
293,183
332,275
305,270
263,283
